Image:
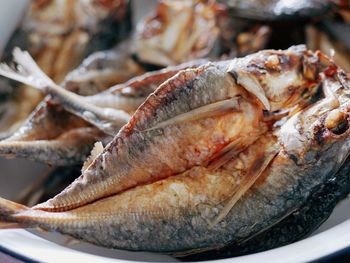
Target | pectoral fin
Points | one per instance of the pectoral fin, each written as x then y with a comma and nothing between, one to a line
226,154
251,84
247,182
207,111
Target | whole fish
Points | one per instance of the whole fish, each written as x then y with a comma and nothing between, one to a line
205,109
176,214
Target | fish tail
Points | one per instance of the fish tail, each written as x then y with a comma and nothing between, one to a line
26,71
7,210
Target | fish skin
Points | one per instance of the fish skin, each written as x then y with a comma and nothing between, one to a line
130,95
173,206
74,145
299,224
133,157
102,70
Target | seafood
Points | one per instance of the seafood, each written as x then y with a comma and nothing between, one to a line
176,213
54,136
107,68
204,109
102,70
179,31
53,31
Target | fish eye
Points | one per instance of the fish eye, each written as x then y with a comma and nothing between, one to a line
337,122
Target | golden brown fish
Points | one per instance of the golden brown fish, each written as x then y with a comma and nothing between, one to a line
213,112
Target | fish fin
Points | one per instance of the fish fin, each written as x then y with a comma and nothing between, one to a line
27,71
247,182
71,241
251,84
210,110
226,154
7,209
98,148
10,225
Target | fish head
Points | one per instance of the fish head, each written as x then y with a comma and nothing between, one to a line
280,79
323,126
177,32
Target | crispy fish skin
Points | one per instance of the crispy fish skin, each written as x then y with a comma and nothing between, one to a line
139,155
130,94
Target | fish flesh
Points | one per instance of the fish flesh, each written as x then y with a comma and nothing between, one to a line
175,214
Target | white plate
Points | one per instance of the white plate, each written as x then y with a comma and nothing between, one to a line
331,237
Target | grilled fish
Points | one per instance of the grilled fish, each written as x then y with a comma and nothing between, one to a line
175,214
213,112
